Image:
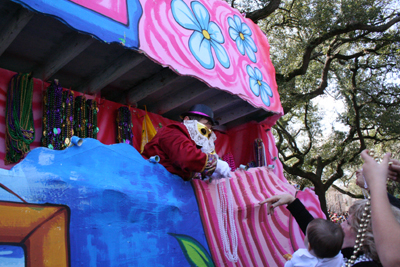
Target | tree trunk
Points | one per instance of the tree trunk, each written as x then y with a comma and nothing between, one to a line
320,192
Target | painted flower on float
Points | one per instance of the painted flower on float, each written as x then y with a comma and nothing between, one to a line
241,34
258,86
206,34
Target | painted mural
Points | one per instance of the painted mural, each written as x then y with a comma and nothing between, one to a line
108,20
205,39
125,211
34,234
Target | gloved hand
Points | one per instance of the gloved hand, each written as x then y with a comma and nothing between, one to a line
222,170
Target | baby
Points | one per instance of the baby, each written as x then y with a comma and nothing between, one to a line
323,241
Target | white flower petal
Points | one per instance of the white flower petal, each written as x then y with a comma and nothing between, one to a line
202,15
250,42
246,29
250,52
233,33
232,24
184,16
238,23
201,50
254,86
258,73
250,71
265,87
215,33
221,54
240,45
264,96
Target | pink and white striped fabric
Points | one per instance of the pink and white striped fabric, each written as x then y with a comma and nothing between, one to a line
263,239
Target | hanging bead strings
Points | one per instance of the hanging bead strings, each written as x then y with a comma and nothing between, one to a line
224,203
67,130
20,130
124,126
91,124
80,117
52,117
65,116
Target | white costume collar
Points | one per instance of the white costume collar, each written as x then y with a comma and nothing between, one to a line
207,143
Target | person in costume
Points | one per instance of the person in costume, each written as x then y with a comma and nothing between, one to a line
187,149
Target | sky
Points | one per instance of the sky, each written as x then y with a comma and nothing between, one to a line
329,108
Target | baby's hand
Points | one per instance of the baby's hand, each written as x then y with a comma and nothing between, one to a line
276,201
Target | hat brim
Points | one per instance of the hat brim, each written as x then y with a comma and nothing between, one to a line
188,113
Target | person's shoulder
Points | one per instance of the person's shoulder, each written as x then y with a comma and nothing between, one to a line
173,129
177,126
332,262
302,253
302,257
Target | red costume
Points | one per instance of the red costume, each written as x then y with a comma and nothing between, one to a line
179,154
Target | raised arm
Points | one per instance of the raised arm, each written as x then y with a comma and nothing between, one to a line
385,227
294,205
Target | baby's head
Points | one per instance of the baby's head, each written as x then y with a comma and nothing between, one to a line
324,238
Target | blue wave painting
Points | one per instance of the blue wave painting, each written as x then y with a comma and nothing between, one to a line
122,206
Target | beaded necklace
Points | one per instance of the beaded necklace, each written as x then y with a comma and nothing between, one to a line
53,117
91,125
68,118
366,217
80,117
20,130
124,126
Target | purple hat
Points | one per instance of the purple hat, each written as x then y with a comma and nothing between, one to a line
202,110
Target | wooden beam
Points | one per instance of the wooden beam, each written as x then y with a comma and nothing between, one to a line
237,111
120,66
184,95
70,46
221,101
215,99
13,27
151,85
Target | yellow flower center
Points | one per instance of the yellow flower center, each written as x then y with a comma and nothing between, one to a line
206,34
241,36
259,83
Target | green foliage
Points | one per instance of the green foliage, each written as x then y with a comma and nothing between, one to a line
194,252
346,50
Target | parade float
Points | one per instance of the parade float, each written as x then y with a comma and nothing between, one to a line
81,82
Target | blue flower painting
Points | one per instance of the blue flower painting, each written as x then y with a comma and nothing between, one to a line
206,34
258,86
241,34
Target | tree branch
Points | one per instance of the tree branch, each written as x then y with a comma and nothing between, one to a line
347,193
258,14
319,40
